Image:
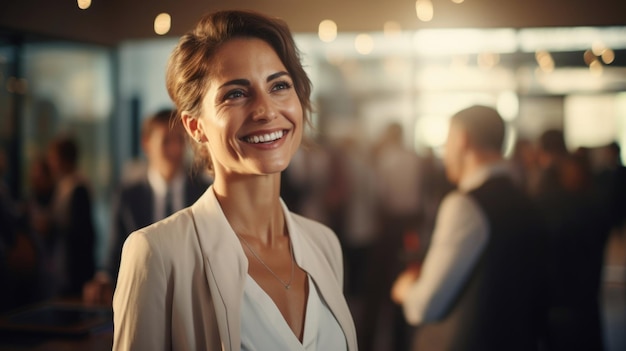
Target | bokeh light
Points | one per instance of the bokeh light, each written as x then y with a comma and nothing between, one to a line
364,44
83,4
327,31
162,23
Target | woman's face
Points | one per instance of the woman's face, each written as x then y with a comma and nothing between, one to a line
251,117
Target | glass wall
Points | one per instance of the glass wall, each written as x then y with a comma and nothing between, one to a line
52,88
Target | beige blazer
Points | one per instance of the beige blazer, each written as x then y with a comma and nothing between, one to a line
181,280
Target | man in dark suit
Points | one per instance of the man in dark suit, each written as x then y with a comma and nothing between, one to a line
482,284
155,192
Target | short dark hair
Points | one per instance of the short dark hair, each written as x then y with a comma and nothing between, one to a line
552,141
66,148
484,126
164,117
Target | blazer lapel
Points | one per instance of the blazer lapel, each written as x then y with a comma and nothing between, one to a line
226,266
309,258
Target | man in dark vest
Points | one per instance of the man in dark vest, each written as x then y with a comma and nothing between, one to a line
482,283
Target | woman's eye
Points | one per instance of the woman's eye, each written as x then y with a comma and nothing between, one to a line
281,86
234,95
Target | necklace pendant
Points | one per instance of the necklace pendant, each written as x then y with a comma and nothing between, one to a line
287,286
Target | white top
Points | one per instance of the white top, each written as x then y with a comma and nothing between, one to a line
460,236
264,328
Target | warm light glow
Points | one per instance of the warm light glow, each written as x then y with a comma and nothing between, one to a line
458,1
162,23
508,105
424,10
327,31
464,41
487,60
608,56
571,39
392,29
589,57
432,130
545,61
597,48
335,58
83,4
364,44
591,120
459,62
596,68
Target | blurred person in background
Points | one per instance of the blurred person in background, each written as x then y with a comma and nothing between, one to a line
610,183
70,246
8,227
25,226
579,222
525,165
481,285
166,186
400,175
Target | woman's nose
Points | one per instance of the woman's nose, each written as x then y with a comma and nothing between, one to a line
263,109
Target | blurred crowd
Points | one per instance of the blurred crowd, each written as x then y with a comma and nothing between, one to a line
49,246
380,198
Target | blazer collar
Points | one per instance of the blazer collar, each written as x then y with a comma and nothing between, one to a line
223,256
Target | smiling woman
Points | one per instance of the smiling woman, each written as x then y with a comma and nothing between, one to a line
237,270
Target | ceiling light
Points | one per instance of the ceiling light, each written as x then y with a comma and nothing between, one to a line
162,23
424,10
364,44
327,31
83,4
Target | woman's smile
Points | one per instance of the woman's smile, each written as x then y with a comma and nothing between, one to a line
265,137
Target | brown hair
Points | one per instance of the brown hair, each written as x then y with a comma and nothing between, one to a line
189,66
484,126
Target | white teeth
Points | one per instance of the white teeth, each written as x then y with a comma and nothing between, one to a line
264,138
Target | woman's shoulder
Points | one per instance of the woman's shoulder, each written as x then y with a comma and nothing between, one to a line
170,234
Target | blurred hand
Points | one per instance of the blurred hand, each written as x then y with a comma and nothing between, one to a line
98,291
403,283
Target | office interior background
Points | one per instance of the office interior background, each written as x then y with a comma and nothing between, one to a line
95,69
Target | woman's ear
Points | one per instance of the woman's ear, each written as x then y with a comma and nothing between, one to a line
192,126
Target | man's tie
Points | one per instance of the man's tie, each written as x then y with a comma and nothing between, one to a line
169,206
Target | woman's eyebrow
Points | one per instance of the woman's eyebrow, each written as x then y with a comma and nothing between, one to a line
239,81
246,82
276,75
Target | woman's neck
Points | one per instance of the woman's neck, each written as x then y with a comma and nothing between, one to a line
252,206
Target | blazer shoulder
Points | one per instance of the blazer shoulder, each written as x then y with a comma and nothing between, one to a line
173,234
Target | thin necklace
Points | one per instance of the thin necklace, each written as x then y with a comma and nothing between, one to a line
286,285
